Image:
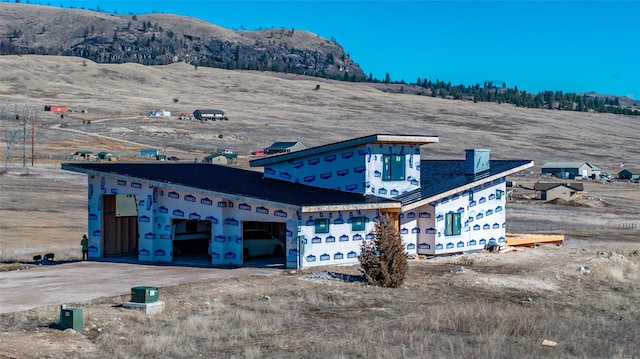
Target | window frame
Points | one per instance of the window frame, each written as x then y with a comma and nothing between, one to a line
394,167
321,222
358,224
453,224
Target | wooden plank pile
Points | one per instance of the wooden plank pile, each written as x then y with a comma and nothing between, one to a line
532,240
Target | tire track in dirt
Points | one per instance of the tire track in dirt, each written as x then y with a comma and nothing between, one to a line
58,127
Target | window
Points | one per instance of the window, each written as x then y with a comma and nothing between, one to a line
357,224
470,195
498,194
322,225
452,224
393,167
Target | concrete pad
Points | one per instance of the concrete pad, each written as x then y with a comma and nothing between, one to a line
147,308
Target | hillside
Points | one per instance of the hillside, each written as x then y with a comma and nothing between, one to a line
265,107
160,39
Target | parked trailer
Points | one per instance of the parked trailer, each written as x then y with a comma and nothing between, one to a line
214,115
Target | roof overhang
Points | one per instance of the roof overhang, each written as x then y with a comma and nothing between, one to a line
237,197
346,207
477,181
405,139
233,197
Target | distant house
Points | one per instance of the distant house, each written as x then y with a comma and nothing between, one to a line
629,174
83,155
149,152
571,169
213,115
284,147
222,159
104,155
565,191
159,113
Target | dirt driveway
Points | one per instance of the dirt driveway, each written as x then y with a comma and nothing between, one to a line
82,281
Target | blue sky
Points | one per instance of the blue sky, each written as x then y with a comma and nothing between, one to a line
572,46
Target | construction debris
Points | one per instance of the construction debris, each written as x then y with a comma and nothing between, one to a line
584,270
506,249
610,255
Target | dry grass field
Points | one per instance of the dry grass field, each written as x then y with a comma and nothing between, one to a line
470,306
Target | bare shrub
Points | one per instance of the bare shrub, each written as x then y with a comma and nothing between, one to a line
621,272
25,255
383,260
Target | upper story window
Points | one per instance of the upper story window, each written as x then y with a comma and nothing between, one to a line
393,167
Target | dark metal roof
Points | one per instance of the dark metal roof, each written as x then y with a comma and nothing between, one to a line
228,180
547,186
440,176
437,177
210,111
281,145
227,155
354,142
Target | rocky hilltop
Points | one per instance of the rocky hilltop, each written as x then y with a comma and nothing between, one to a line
160,39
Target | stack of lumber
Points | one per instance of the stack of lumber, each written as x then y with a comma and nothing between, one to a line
532,240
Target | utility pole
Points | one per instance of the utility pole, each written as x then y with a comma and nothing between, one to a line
33,138
24,136
14,122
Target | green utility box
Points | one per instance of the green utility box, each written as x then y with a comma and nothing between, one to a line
144,294
71,318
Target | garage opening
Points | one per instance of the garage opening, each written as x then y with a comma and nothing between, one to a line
264,242
119,225
191,240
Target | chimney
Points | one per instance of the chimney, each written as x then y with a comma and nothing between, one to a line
476,161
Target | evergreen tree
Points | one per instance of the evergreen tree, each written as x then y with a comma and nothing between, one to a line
383,260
